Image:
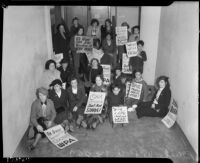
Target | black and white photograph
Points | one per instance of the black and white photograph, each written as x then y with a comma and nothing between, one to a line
101,81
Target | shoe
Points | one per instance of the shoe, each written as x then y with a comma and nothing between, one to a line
83,124
31,147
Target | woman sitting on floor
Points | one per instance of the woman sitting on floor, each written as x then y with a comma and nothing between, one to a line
42,115
158,107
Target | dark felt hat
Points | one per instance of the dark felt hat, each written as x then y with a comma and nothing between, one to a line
56,81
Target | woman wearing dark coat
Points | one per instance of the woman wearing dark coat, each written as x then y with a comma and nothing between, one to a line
158,107
75,26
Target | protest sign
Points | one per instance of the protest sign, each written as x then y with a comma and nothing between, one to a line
59,137
83,44
122,35
131,48
135,90
170,118
106,74
120,114
95,103
125,64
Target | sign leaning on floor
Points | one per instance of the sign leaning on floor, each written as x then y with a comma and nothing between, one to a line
120,114
131,48
95,103
122,35
125,64
59,137
106,74
170,118
135,90
83,44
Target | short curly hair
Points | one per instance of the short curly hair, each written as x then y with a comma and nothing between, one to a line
42,90
48,63
93,21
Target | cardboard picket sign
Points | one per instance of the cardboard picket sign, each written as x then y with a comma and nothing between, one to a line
125,64
135,90
120,114
95,103
171,116
106,74
131,48
59,137
122,36
83,44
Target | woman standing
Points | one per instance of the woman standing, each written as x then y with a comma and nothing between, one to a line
158,107
74,27
42,115
50,74
107,28
94,29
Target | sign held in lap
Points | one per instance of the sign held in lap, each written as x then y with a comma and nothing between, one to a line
135,90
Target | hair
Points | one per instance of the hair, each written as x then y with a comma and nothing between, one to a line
108,20
165,78
138,70
58,26
98,63
133,28
95,41
109,33
42,90
73,78
125,24
75,18
100,76
93,21
140,42
115,86
80,27
48,63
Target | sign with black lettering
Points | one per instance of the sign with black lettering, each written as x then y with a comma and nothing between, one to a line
120,114
106,74
170,118
122,35
135,90
59,137
83,44
95,103
131,48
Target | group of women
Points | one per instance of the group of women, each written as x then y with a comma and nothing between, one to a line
64,90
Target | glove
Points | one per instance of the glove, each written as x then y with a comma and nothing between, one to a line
39,128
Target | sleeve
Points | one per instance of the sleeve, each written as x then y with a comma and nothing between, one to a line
72,44
53,112
82,95
145,90
34,114
144,56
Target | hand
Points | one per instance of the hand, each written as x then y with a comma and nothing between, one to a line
63,85
49,123
155,101
39,128
134,106
153,106
75,108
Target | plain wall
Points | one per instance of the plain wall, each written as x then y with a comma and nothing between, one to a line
149,33
24,54
178,59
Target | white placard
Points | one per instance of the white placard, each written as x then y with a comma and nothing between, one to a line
135,90
95,103
120,114
59,137
106,74
83,44
122,36
131,49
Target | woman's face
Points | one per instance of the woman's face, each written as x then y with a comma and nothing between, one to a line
57,87
52,66
108,37
139,46
94,24
94,63
118,72
108,24
98,81
74,83
75,22
162,84
42,97
80,31
136,31
64,65
116,91
138,75
97,46
61,29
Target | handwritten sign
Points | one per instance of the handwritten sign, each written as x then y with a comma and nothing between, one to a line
131,48
170,118
122,36
106,74
83,44
120,114
95,103
125,64
135,90
59,137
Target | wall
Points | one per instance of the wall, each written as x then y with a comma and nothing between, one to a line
178,59
24,54
149,33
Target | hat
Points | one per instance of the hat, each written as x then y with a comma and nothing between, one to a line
42,90
64,60
56,81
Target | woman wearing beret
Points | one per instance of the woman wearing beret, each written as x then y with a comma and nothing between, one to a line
158,107
42,115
